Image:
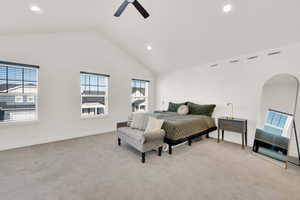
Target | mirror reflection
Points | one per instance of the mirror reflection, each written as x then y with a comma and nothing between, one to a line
278,107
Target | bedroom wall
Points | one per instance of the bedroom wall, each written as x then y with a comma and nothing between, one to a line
240,83
61,57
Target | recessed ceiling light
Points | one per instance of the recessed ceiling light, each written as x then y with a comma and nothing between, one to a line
227,8
35,8
149,48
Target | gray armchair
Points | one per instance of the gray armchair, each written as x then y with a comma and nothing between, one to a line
139,139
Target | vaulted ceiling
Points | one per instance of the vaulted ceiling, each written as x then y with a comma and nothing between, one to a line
182,32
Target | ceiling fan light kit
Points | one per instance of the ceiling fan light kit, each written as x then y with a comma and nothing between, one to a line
136,4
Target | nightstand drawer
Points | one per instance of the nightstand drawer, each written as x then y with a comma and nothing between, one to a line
229,125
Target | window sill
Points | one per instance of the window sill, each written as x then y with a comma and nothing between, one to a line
94,117
19,123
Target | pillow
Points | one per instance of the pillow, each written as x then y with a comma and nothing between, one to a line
196,109
173,107
154,124
183,110
139,121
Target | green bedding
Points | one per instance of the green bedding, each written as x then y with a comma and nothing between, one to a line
181,126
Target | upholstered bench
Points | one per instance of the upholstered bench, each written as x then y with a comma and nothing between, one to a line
140,139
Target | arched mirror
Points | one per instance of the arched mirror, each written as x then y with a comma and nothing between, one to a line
275,136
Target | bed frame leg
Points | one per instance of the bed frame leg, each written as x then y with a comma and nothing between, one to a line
159,151
190,142
143,157
207,135
170,149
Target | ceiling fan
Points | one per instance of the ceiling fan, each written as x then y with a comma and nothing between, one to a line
136,4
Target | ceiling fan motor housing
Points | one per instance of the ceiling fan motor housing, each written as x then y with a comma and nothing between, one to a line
136,4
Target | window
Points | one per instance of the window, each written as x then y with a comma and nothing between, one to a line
18,99
277,123
30,99
94,94
139,95
18,83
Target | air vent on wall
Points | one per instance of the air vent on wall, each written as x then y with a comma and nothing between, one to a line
234,61
214,65
252,57
274,53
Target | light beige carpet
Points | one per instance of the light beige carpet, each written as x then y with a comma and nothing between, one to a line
95,168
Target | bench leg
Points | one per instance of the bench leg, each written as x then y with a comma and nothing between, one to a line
170,149
190,142
143,157
222,135
159,151
119,141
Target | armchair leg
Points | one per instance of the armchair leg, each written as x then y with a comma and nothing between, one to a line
143,157
170,149
159,151
119,141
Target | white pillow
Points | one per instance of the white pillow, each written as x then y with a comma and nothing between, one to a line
139,121
154,124
183,110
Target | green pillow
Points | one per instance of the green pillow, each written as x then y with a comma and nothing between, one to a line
173,107
196,109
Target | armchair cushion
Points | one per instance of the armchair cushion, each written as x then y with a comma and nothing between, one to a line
154,124
140,136
135,134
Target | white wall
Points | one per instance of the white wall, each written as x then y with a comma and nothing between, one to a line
240,83
61,57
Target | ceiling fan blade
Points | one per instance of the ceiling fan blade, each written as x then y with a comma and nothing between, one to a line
121,8
141,9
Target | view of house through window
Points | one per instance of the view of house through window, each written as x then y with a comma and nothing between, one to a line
94,94
18,92
139,95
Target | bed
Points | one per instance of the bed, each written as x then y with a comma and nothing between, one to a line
182,128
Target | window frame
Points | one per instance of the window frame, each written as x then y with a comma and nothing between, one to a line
36,95
106,97
147,96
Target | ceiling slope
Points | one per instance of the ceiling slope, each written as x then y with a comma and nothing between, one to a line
182,33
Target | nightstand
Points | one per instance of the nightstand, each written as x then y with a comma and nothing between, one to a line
233,125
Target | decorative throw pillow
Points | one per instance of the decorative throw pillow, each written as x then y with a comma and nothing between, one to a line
183,110
196,109
139,121
173,107
154,124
